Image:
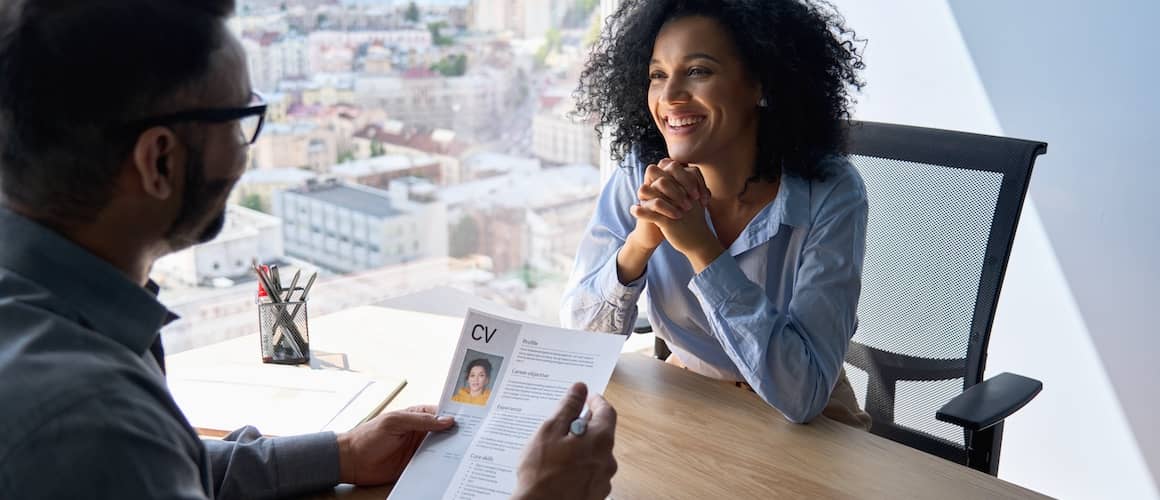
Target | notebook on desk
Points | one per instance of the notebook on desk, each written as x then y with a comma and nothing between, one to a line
279,400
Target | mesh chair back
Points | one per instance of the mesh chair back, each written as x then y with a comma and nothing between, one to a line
943,211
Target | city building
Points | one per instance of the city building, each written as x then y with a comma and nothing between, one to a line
469,104
395,137
378,60
487,164
560,139
524,18
263,183
523,220
535,17
277,106
321,89
346,227
333,47
247,235
300,144
379,171
487,16
274,57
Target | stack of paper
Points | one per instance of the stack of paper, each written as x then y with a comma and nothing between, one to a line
279,400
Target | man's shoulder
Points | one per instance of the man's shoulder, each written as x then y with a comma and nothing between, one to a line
53,367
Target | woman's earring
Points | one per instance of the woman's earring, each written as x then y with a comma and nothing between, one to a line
763,103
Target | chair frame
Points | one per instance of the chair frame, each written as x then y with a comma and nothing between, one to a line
1014,159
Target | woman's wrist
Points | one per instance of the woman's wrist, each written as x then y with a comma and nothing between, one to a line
703,255
632,260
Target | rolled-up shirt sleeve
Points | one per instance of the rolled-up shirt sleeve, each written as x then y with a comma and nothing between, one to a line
792,357
596,300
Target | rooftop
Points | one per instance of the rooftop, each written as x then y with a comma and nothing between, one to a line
425,139
286,175
382,164
364,200
543,188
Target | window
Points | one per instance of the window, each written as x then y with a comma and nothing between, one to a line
478,127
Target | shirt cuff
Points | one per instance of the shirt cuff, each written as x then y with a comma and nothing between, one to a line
306,463
616,292
717,284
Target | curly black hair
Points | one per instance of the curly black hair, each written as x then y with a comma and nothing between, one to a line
800,52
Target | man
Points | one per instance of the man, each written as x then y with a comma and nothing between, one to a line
123,126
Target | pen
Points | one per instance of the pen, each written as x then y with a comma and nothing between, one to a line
305,292
271,293
281,317
301,300
580,425
276,279
293,283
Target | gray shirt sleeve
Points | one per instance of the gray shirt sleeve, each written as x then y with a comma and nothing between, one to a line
101,448
108,447
247,465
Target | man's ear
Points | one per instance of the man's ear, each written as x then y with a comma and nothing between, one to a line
157,159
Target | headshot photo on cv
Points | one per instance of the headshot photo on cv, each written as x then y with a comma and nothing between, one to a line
477,377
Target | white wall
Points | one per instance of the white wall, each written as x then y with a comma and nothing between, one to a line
1073,441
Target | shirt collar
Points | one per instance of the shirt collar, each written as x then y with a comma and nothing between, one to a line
104,296
790,207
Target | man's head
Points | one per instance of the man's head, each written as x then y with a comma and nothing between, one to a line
94,114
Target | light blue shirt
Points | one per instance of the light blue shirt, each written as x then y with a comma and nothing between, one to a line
777,310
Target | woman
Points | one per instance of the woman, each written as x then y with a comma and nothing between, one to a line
747,224
475,390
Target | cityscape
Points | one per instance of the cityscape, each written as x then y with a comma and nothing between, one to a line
407,145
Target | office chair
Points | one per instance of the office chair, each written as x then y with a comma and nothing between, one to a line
944,207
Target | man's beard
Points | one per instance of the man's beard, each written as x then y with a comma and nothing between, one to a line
191,227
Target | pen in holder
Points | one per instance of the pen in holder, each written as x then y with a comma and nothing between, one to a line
283,325
285,332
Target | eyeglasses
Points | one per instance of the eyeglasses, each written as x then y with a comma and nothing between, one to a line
250,118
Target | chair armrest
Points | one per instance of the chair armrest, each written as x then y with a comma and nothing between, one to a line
988,403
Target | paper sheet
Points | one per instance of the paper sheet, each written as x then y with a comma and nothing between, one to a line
525,369
278,400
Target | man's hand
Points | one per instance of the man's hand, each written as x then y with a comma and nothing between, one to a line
377,452
561,466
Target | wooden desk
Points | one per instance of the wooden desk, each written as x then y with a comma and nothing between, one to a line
679,435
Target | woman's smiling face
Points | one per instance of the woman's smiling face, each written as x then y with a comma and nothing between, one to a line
700,94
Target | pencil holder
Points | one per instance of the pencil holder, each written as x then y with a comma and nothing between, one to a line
285,332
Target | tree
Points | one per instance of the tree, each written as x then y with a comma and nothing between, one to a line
412,13
464,238
593,34
437,36
377,148
346,157
551,43
253,202
451,66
